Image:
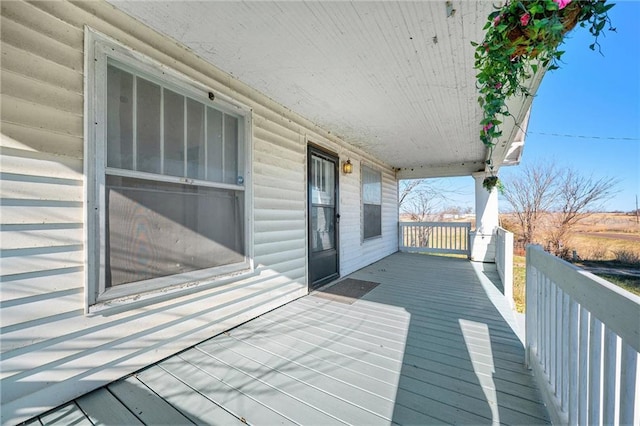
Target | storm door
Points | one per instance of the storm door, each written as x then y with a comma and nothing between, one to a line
323,217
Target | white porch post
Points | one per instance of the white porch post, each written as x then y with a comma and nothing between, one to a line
483,240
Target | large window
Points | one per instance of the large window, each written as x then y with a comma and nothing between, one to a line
169,175
371,202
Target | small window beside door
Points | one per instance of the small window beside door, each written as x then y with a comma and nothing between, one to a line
371,203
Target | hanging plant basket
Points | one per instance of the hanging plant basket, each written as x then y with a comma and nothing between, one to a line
490,182
522,37
525,38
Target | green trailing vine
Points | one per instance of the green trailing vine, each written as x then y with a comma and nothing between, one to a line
521,38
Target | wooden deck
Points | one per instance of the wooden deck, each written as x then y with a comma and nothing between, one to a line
433,343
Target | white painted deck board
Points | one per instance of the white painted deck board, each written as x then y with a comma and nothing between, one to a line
237,402
68,414
426,346
372,375
254,385
101,407
328,390
191,403
146,405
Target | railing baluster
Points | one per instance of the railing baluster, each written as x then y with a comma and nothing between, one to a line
609,377
545,324
559,345
629,375
566,352
553,350
541,318
573,360
583,378
595,368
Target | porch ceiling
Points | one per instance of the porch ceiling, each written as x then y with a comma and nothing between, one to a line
393,78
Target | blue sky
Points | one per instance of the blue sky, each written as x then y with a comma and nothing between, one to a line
591,95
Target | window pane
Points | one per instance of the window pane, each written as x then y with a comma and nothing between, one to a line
157,229
148,126
323,236
173,133
372,220
195,139
371,186
230,149
119,119
214,145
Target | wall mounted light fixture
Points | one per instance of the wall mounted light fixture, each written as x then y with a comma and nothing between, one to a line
347,167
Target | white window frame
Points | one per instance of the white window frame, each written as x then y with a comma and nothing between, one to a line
362,203
99,50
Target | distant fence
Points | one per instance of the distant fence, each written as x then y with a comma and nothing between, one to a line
582,342
435,237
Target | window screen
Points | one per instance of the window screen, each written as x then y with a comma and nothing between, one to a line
174,194
371,202
153,129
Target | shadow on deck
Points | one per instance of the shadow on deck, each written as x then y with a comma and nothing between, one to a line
432,343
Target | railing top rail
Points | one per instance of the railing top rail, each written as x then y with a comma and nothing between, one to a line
449,224
615,307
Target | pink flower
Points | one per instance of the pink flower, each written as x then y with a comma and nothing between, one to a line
498,86
487,127
496,20
524,19
562,3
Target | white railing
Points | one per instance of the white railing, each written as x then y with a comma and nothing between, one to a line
504,262
582,343
435,237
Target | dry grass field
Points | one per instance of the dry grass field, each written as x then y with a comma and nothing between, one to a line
606,236
608,241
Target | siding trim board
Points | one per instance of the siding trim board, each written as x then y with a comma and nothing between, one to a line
53,351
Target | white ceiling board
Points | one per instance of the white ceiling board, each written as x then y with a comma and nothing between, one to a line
393,78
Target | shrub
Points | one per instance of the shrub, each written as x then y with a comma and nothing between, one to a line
628,257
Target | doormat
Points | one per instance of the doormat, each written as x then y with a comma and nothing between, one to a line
347,291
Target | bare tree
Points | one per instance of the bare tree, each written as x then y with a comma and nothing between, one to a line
406,187
577,197
532,193
422,200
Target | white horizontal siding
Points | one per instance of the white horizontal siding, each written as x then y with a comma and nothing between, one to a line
24,62
27,187
53,352
25,288
24,162
40,235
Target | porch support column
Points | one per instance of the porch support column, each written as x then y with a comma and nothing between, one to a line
483,240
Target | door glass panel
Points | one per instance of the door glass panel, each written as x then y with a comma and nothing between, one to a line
323,213
322,182
323,236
